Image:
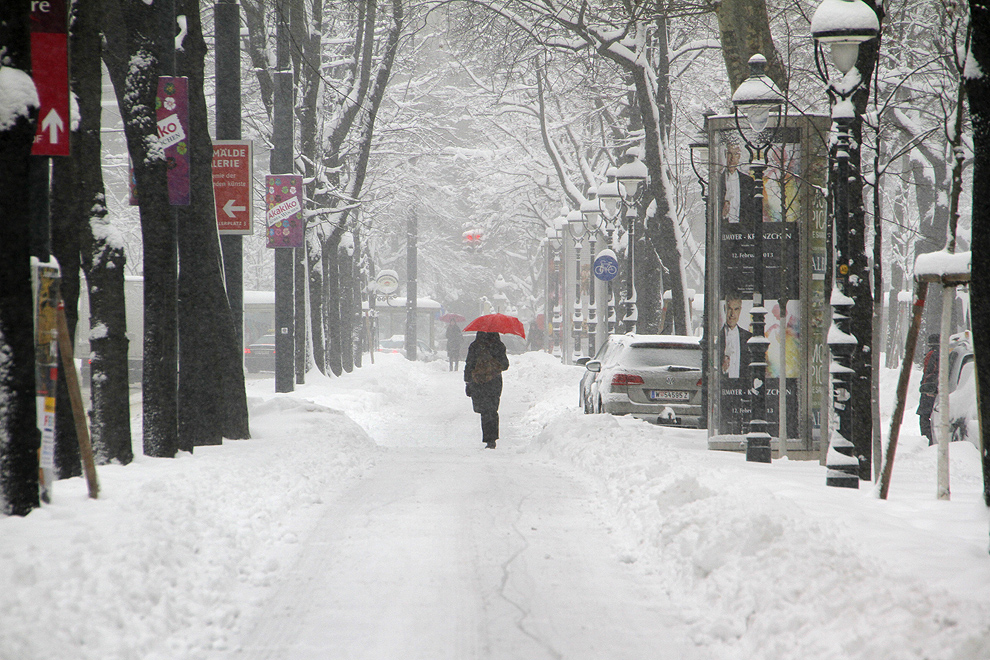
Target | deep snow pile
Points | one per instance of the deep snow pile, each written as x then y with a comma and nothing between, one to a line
765,561
147,571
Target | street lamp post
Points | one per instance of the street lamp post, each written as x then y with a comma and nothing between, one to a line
575,226
557,243
843,25
757,97
699,145
631,177
592,216
610,205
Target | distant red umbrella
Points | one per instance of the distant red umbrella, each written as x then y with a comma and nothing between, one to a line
506,325
451,317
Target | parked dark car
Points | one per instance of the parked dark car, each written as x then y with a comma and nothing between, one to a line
260,355
653,377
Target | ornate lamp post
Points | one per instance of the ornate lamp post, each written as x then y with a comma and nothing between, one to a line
631,177
593,220
699,147
610,205
575,226
843,25
555,236
757,97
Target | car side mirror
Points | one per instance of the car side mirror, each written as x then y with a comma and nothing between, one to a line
593,365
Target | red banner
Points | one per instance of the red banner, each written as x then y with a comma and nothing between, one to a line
50,71
233,176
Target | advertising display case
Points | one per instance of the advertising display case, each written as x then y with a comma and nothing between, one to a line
793,220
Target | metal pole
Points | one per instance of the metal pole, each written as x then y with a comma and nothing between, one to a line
592,304
630,303
841,461
281,163
411,292
758,439
576,317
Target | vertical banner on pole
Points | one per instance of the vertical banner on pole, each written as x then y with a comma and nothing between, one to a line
172,106
284,217
50,72
46,368
233,177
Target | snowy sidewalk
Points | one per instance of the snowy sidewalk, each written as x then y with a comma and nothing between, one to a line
451,554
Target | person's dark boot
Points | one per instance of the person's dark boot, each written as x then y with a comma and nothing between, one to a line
490,444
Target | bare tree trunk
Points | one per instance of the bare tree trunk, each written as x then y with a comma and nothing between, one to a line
978,89
744,30
135,39
212,397
83,226
19,436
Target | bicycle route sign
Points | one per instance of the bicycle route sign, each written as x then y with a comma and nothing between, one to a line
606,266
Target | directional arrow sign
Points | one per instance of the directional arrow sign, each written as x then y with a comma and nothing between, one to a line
50,71
233,176
52,123
230,209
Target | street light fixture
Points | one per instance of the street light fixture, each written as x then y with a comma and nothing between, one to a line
757,97
843,25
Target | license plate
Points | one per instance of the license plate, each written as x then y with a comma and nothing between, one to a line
669,395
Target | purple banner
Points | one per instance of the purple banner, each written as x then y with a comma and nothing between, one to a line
284,215
172,105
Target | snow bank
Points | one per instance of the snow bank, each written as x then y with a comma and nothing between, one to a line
769,563
147,571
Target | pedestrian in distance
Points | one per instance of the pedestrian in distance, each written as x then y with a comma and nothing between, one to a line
483,367
455,340
536,337
928,389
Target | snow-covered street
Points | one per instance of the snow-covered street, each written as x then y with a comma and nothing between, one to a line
366,520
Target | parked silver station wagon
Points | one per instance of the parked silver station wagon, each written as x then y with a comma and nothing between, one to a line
653,377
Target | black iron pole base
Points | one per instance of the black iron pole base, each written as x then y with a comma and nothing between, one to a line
842,476
758,448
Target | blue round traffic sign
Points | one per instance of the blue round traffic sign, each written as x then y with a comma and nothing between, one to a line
606,266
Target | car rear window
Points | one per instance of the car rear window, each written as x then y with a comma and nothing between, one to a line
658,355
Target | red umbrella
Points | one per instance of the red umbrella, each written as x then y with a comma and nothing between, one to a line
497,323
451,317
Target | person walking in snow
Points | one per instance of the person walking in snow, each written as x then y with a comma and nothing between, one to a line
454,342
483,367
928,389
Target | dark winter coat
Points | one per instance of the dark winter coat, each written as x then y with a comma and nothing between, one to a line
485,395
454,340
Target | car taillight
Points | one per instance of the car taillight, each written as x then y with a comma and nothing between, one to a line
247,351
624,380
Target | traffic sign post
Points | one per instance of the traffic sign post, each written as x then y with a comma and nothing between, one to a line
50,72
233,175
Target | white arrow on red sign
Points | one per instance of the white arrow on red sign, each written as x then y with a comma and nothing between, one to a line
53,124
233,181
230,209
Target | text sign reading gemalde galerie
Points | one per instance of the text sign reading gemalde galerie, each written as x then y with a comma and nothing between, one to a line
233,174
